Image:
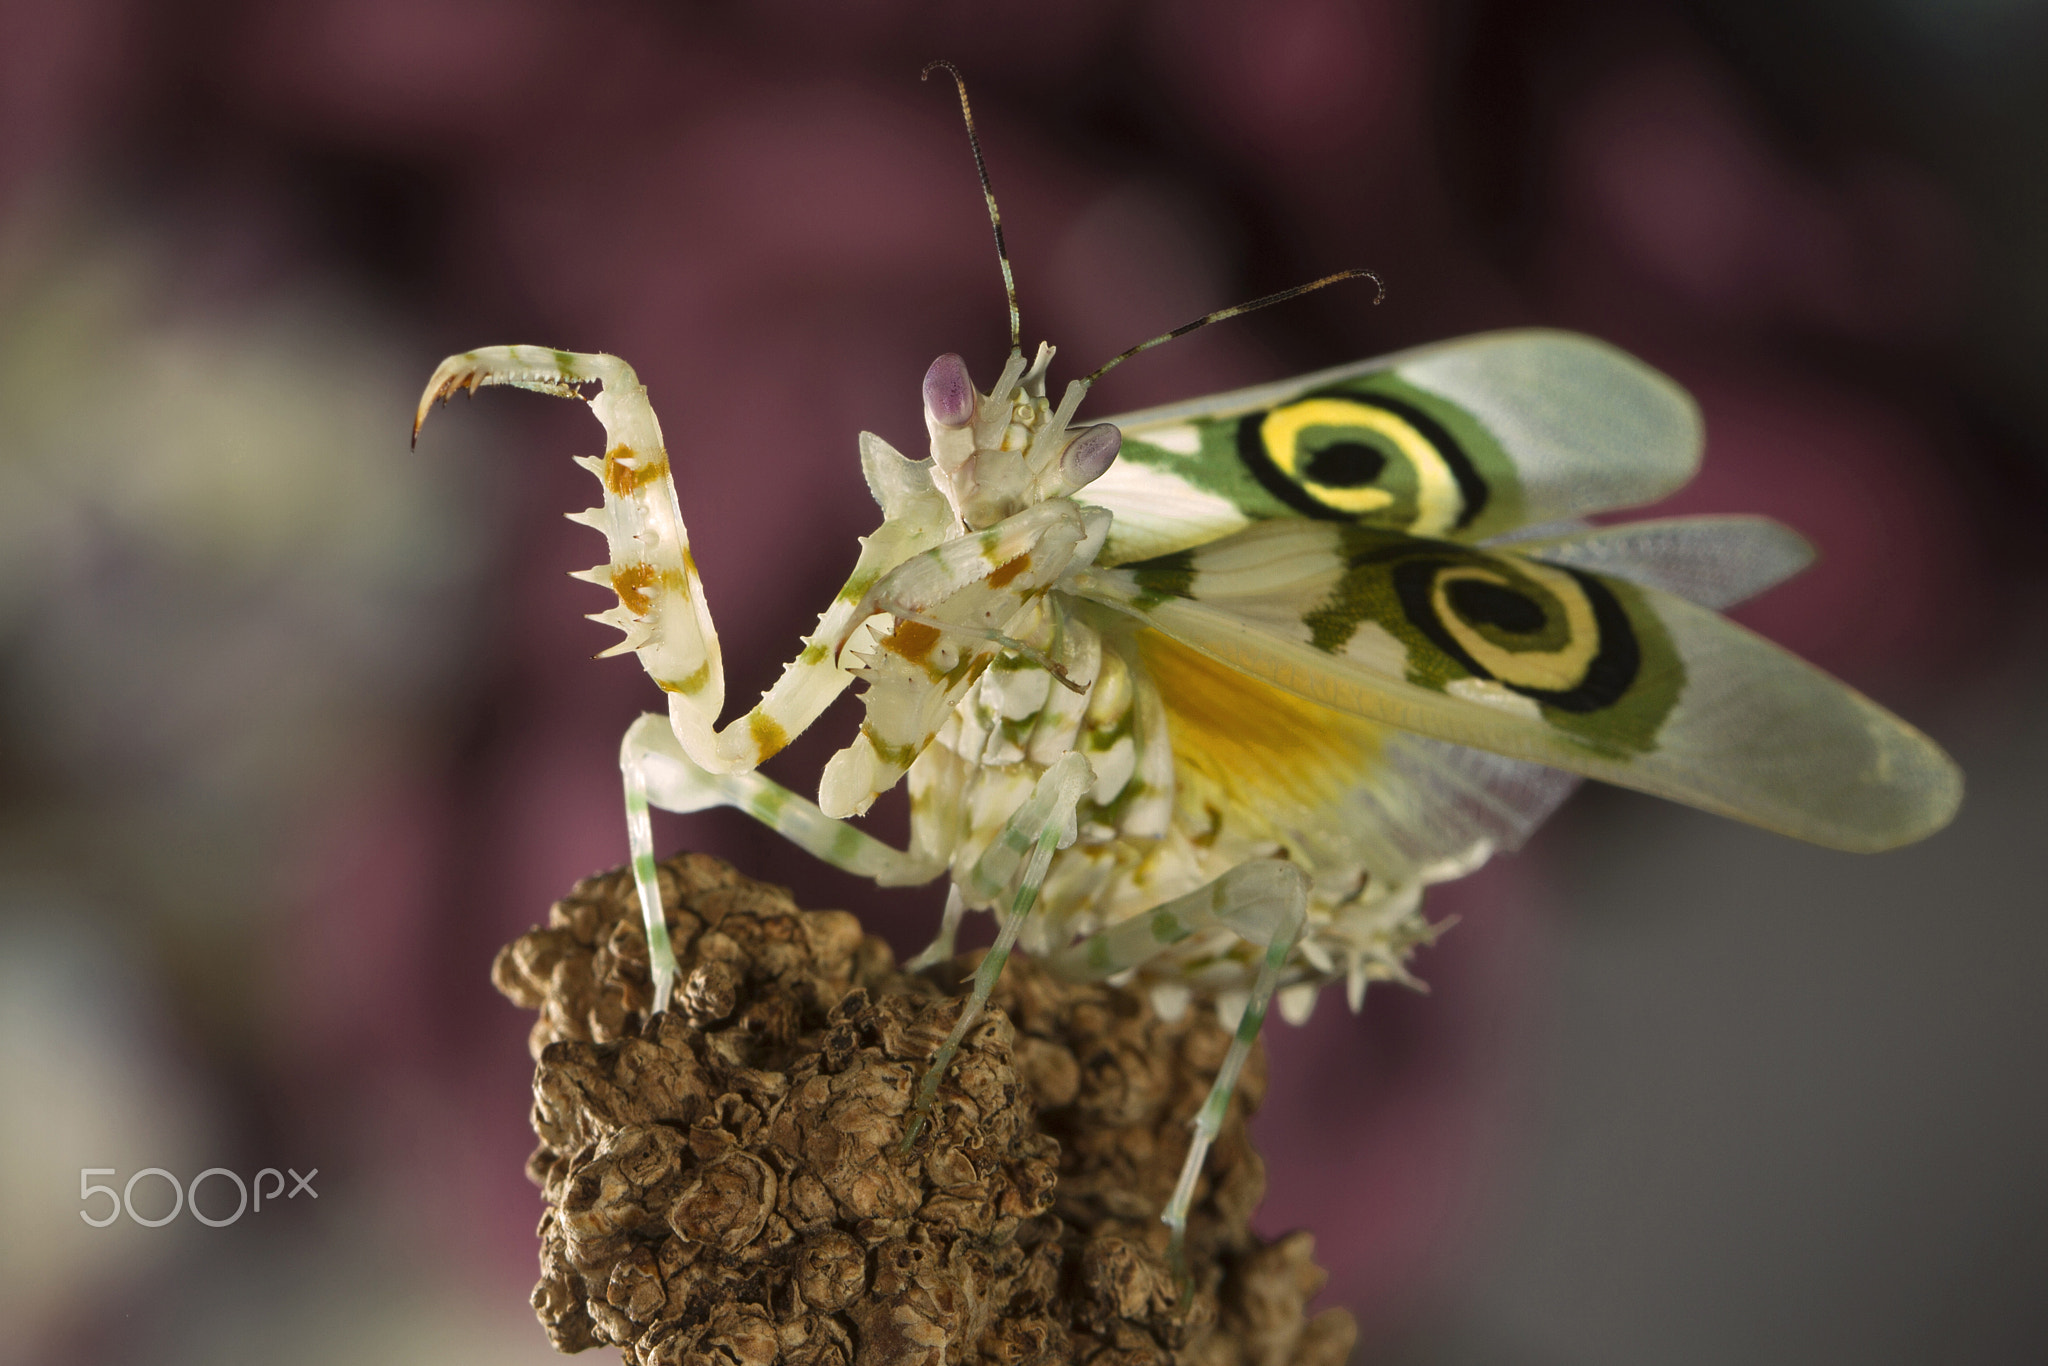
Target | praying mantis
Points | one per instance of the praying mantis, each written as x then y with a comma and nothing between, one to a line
1206,696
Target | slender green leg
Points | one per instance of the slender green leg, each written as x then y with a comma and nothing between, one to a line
941,948
658,773
1138,939
661,954
1266,903
1042,824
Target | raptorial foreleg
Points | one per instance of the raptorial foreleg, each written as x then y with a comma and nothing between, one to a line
951,607
661,601
661,605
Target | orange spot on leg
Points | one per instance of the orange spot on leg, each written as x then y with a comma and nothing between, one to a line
1005,572
632,582
912,639
769,736
626,471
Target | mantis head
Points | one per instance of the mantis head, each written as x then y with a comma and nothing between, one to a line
995,454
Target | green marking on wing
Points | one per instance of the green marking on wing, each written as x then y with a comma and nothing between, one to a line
1540,426
1213,468
1431,437
1169,576
1592,653
1653,692
1504,504
1633,724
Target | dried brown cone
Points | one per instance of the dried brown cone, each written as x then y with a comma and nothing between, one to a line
724,1186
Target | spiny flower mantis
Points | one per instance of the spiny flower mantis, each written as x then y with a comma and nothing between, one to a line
1207,695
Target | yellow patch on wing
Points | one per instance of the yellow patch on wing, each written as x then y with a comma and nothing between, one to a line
1266,762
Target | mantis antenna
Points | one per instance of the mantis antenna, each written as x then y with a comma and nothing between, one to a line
995,220
1379,297
995,217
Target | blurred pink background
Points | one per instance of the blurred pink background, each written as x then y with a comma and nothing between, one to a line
296,728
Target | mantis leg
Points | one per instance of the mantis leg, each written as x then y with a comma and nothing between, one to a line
1266,903
657,772
950,607
661,605
1022,852
941,947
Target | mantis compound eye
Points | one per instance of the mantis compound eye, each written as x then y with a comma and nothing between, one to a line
948,393
1089,454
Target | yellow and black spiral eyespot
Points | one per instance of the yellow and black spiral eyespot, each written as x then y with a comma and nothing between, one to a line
1363,457
1554,635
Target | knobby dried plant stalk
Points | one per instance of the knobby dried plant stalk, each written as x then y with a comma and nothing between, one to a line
723,1184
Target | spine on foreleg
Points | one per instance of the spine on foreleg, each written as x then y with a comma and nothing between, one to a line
661,606
661,601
